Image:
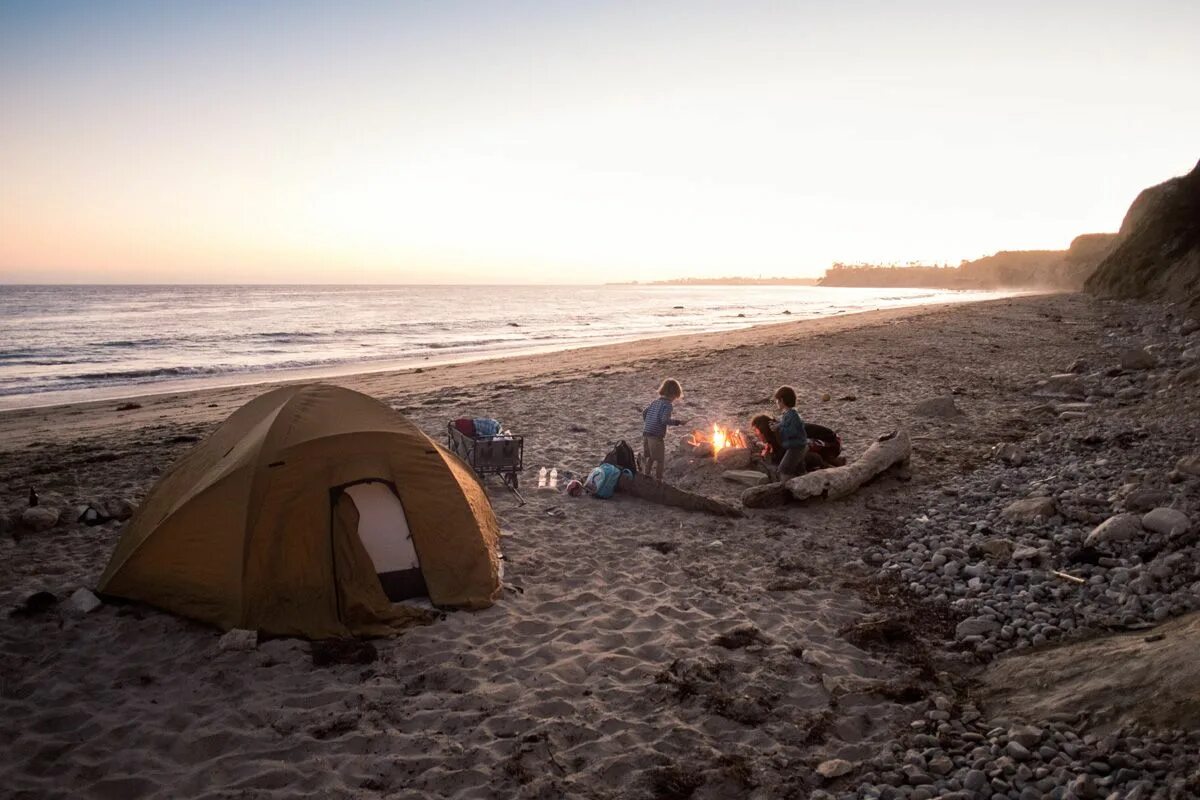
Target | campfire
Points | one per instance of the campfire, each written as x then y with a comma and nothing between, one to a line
720,438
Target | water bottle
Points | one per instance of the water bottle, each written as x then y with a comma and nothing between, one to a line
554,478
542,478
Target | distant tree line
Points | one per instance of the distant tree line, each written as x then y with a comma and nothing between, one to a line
1008,269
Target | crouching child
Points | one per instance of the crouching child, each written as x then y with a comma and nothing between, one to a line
792,437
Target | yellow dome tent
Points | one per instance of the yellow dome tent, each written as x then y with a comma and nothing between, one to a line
307,513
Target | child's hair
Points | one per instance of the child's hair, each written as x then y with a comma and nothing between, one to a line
787,395
670,388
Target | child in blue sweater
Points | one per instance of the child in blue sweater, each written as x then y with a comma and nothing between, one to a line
792,437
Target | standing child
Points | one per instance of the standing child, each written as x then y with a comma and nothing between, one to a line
792,437
657,417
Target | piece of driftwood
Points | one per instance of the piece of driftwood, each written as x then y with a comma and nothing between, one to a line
888,451
647,488
1066,577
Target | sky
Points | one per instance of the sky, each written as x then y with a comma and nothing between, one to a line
521,142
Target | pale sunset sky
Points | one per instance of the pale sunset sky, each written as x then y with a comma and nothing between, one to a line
446,142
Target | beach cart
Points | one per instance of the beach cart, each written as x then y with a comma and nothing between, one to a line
502,455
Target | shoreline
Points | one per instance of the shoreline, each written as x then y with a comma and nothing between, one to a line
527,364
284,375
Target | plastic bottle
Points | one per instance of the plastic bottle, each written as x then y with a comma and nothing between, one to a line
542,478
554,478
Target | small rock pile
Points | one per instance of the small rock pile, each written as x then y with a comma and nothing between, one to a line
1091,524
956,754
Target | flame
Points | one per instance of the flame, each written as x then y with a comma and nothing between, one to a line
720,438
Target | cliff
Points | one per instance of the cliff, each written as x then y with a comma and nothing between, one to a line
1157,255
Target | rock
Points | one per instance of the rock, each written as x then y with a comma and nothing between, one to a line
1029,509
1121,528
1191,354
974,780
735,457
39,518
83,601
36,603
1016,751
1027,554
238,639
746,477
1187,376
976,626
1135,358
1145,499
1064,385
1027,735
940,765
998,548
1189,465
834,768
939,407
117,508
1074,408
1166,520
1009,453
1084,786
1077,366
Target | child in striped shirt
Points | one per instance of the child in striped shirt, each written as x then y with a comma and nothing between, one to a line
657,417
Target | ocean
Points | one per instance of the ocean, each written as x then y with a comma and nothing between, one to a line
76,343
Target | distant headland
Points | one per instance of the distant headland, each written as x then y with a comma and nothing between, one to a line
732,281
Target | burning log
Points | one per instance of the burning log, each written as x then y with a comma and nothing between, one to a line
647,488
830,484
705,443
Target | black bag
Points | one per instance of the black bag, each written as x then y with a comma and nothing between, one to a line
622,457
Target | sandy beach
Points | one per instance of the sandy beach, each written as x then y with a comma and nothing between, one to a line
638,651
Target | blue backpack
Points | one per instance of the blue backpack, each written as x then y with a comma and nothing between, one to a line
602,481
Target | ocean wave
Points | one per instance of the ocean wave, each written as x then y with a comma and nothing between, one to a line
466,343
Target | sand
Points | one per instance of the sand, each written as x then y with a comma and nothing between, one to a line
602,671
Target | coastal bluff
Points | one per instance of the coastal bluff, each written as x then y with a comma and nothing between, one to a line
1157,253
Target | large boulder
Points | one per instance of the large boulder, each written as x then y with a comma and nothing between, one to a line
1121,528
1157,253
998,548
938,407
1115,681
976,626
1138,358
1166,520
1187,376
1030,509
1065,385
1189,465
39,518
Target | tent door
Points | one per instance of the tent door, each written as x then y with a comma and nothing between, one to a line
384,533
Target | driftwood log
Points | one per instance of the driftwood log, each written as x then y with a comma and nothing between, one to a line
829,484
647,488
